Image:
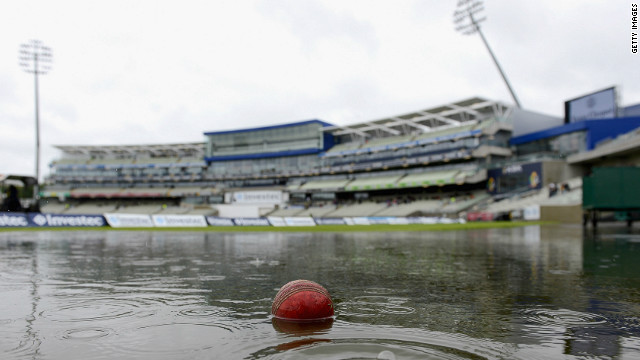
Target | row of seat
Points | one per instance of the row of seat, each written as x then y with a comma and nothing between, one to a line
106,207
425,179
449,206
408,138
540,197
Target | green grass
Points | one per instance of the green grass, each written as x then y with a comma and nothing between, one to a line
320,228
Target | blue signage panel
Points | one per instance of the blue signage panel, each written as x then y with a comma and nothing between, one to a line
514,177
330,221
13,220
251,222
59,220
218,221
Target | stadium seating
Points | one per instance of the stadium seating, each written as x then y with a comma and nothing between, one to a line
415,208
464,204
318,211
203,210
371,183
573,197
374,143
100,192
190,161
92,208
344,147
173,210
429,178
111,162
70,161
287,211
144,192
53,207
157,160
438,142
365,208
444,132
325,184
189,190
519,202
147,209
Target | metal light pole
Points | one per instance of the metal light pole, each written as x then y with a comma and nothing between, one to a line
36,58
469,9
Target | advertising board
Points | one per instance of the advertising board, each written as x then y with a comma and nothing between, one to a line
179,221
598,105
128,220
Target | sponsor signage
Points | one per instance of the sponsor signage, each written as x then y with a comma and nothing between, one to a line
514,177
512,169
58,220
257,197
397,221
218,221
329,221
360,221
128,220
598,105
414,220
378,220
276,221
531,212
299,221
251,222
13,220
179,220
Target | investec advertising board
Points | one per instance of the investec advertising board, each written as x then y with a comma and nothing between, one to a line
258,197
128,220
50,220
13,220
179,220
67,220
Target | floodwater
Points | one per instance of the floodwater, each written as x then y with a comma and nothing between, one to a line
534,292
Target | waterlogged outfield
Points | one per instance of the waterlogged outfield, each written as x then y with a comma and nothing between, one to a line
320,228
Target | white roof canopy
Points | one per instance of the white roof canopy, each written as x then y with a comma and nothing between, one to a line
159,150
423,121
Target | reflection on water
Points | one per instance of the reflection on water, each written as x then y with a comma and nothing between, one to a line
522,293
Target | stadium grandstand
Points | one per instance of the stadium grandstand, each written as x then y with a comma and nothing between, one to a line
448,160
416,162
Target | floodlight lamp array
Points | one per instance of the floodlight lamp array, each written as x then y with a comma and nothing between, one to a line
35,58
468,9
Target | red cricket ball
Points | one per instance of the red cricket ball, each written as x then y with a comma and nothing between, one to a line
302,300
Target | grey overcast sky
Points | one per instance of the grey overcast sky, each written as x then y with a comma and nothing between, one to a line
156,71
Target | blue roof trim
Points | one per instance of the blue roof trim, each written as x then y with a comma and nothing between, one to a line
314,121
264,155
551,132
597,130
125,166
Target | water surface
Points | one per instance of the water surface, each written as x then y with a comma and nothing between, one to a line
522,293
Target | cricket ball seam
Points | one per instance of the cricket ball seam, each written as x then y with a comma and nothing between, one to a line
295,287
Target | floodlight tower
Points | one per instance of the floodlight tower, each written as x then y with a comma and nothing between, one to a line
469,10
36,58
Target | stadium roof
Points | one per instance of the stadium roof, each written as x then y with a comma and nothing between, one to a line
158,150
270,127
597,130
424,121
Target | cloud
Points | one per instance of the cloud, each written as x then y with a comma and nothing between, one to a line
161,72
